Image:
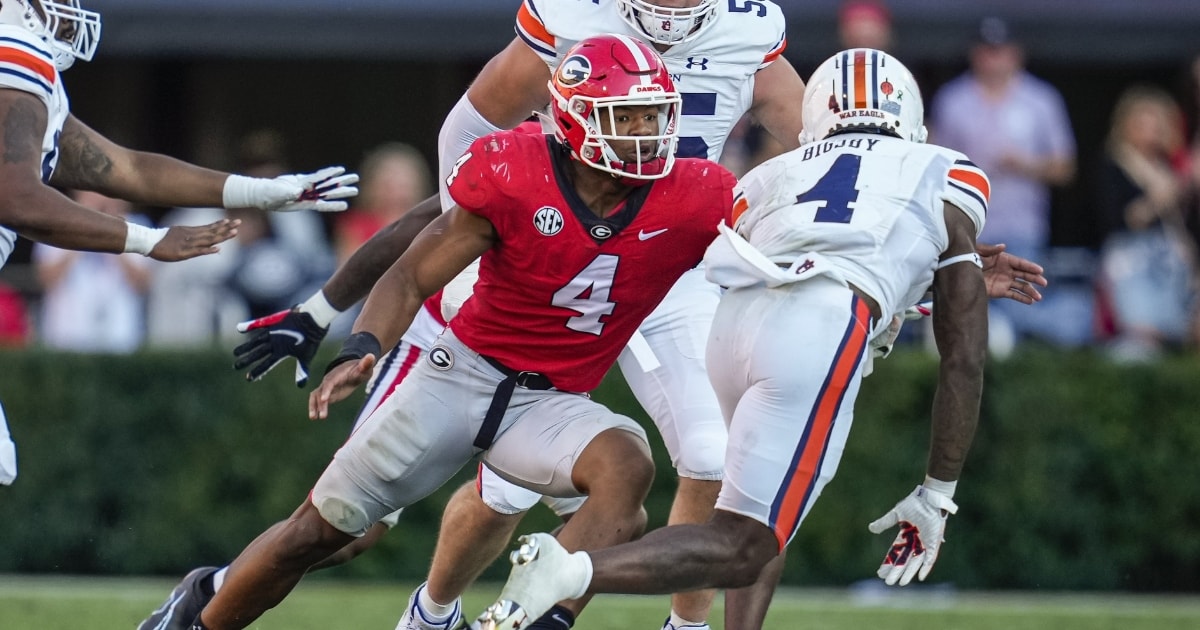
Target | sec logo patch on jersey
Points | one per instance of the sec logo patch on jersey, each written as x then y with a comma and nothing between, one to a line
548,220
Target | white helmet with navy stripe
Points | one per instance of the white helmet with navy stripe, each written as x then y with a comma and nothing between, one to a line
665,25
865,89
70,31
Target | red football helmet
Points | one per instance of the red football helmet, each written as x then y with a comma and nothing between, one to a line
602,73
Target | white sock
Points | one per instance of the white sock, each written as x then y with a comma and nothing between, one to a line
218,578
433,610
680,622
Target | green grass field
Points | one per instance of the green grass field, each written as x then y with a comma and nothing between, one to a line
57,603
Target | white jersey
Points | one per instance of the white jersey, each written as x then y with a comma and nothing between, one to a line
713,72
884,235
26,64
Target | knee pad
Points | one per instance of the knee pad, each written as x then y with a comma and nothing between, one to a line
344,515
701,453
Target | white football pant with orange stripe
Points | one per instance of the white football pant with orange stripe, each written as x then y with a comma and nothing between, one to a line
786,364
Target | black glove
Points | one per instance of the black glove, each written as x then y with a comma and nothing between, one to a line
276,337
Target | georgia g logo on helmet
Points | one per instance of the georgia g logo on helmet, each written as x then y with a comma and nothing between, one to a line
574,70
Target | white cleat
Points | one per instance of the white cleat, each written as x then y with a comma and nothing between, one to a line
416,619
543,574
667,625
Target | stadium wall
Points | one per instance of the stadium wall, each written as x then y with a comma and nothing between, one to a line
1083,475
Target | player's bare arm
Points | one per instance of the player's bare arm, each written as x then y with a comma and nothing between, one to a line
33,209
439,253
354,279
511,86
92,162
777,90
960,330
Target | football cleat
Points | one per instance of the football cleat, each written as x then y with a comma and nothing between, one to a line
416,619
186,601
667,625
543,574
502,614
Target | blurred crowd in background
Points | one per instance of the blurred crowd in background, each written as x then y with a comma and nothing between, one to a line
1131,293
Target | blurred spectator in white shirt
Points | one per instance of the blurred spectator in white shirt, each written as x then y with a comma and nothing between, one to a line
93,302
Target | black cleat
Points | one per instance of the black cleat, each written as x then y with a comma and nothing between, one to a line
186,601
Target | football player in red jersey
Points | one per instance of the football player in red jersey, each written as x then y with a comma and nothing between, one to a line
581,235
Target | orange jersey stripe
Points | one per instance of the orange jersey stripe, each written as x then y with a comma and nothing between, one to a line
974,180
774,54
533,27
30,62
860,80
740,205
826,408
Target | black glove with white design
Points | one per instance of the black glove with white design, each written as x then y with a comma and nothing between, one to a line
292,333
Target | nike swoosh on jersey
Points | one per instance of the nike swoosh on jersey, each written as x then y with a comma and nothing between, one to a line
290,333
643,235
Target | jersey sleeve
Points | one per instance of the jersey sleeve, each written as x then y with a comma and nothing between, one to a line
493,174
967,187
752,195
26,65
470,183
775,52
532,30
767,30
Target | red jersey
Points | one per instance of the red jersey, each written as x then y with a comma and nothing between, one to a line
563,290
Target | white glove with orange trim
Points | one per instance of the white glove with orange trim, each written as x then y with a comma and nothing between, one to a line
922,519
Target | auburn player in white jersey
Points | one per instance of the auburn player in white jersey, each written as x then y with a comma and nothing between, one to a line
46,149
829,239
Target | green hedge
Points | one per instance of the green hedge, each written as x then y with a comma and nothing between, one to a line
1084,475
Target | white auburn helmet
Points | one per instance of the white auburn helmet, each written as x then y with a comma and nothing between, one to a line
70,31
600,74
862,88
668,26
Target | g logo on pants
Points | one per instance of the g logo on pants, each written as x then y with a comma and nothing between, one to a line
441,358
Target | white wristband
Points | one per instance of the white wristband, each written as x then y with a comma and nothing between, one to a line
944,487
141,239
318,306
239,192
972,258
